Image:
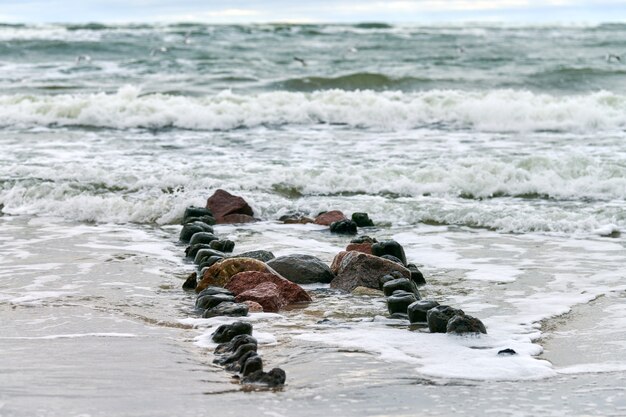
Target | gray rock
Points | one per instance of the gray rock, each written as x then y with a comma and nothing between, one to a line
223,245
259,255
362,220
226,332
357,269
274,378
301,269
344,227
192,211
202,237
190,229
399,301
206,253
389,247
400,284
234,344
416,276
462,323
227,309
207,301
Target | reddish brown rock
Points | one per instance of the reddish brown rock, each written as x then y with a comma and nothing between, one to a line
334,266
360,247
357,269
236,218
266,294
253,306
220,273
290,292
326,219
222,203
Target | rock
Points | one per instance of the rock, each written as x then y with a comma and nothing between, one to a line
227,309
266,294
392,259
364,291
399,316
507,351
334,266
190,229
237,218
203,254
416,276
253,364
417,310
223,245
362,220
214,291
222,204
202,237
462,323
343,227
259,255
234,344
358,269
274,378
329,217
191,282
226,332
386,278
253,307
220,273
295,218
399,301
399,284
389,247
207,263
210,220
360,247
301,269
192,251
238,365
289,292
364,239
241,350
211,300
439,316
191,212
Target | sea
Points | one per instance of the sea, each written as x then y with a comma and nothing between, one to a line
494,154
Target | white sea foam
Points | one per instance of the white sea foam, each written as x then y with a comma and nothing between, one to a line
496,110
70,336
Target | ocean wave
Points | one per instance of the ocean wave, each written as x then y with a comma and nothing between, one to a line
494,110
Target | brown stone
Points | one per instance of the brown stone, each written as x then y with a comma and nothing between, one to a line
291,292
267,294
357,269
326,219
236,218
222,203
360,247
253,306
220,273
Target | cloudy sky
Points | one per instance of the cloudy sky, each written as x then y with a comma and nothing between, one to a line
238,11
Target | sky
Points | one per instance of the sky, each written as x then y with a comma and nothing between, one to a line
327,11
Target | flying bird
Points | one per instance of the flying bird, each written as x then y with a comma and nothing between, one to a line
300,60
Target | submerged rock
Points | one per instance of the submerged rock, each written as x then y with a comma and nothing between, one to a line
301,269
364,291
404,284
417,311
196,212
329,217
223,204
191,282
462,323
274,378
226,332
439,316
227,308
259,255
234,344
357,269
389,247
295,218
399,301
223,245
207,301
241,350
344,227
252,364
362,220
190,229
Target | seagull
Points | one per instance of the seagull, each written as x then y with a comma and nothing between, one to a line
609,57
460,50
300,60
80,58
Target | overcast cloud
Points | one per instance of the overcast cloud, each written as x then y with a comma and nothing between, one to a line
221,11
